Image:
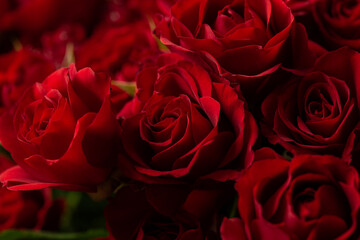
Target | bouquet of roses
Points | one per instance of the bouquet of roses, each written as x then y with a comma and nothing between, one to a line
187,119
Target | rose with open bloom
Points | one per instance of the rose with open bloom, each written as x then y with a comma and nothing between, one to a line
249,39
338,22
311,197
182,124
62,133
317,113
333,23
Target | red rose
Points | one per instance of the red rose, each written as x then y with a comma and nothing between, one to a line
18,71
62,133
338,22
33,209
333,23
318,112
311,197
121,50
249,39
182,124
129,216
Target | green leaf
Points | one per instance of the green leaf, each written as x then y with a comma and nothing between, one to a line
152,26
129,87
69,56
28,234
81,212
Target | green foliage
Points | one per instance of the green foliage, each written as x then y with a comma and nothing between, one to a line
27,234
81,212
129,87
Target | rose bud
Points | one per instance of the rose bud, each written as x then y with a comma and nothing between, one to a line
182,124
311,197
62,133
317,113
249,39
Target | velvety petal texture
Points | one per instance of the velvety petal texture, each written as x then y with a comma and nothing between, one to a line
62,133
183,124
317,112
311,197
249,39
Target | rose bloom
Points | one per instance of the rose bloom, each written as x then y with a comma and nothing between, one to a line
62,133
249,39
317,113
311,197
338,22
182,124
126,11
31,209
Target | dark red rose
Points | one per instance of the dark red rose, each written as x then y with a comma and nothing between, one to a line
249,39
62,133
30,19
182,124
338,22
18,71
311,197
121,50
332,23
33,209
317,112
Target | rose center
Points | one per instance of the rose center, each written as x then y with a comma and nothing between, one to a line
305,207
227,19
318,105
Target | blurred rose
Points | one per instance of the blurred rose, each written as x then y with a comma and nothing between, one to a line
120,51
30,19
18,71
